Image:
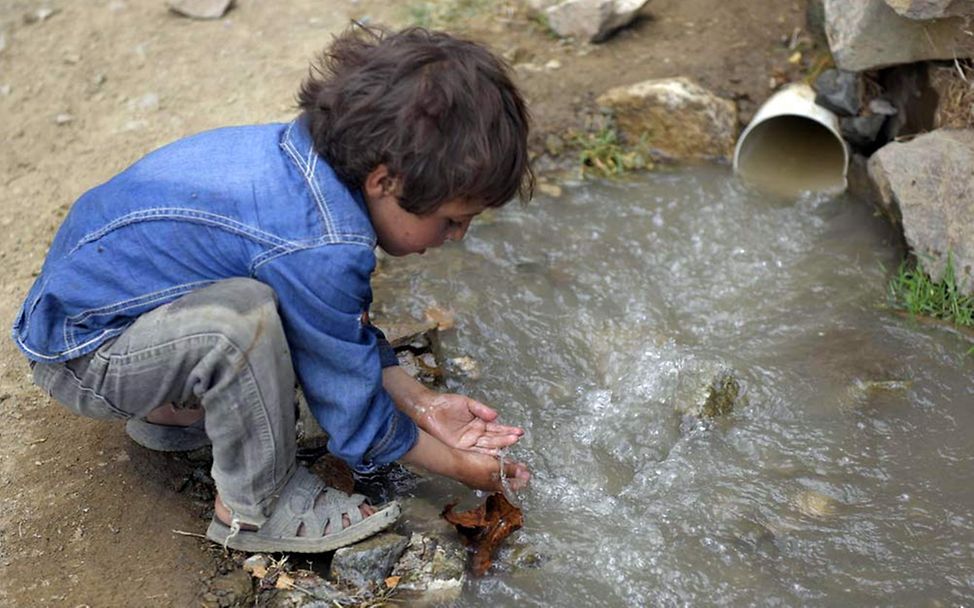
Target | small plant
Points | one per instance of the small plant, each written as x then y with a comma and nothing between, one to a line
603,155
443,14
913,289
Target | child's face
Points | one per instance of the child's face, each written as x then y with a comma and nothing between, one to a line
401,232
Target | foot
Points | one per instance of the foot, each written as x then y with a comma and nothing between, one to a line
168,414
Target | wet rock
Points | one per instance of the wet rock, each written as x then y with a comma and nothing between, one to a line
368,561
464,366
868,34
432,568
200,9
422,367
839,91
815,504
861,131
931,9
231,589
677,118
549,189
927,185
591,20
709,392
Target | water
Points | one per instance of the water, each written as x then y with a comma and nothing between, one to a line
588,314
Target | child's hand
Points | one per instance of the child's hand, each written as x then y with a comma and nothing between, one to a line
479,471
482,472
466,424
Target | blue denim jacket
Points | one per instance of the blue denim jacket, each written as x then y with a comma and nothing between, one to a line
252,202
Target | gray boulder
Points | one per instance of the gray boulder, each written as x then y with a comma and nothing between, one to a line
839,91
928,185
368,561
679,119
591,20
868,34
861,131
932,9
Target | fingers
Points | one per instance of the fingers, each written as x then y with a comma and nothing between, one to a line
478,409
502,429
496,441
517,475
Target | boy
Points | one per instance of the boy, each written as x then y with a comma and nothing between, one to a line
184,294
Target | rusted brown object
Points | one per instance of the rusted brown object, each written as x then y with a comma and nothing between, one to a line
485,527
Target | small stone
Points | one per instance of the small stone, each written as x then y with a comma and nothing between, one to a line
861,131
5,90
72,58
116,6
256,565
368,561
553,144
465,366
148,102
591,20
3,41
42,14
838,90
200,9
554,64
882,106
552,190
63,118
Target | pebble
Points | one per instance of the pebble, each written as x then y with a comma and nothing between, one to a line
63,118
42,14
5,90
3,41
554,64
552,190
117,5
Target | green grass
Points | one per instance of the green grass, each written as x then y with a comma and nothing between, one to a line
913,290
601,154
443,14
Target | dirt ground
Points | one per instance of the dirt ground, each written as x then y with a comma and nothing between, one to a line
86,516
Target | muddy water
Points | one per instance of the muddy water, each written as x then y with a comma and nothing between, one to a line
848,479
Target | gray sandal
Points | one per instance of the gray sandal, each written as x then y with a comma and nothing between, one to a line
162,438
296,506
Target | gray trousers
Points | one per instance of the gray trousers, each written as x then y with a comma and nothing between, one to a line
221,347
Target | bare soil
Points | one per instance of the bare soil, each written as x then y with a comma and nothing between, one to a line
86,516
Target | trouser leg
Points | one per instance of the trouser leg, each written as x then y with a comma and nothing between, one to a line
222,346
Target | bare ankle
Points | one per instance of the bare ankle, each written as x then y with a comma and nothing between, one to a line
169,415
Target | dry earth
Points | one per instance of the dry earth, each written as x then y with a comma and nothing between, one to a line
86,517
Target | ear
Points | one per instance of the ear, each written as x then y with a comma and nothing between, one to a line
380,183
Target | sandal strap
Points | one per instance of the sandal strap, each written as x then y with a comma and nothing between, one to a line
296,506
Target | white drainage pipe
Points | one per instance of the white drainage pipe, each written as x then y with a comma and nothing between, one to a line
792,146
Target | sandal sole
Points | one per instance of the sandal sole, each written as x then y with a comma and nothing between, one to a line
166,438
253,542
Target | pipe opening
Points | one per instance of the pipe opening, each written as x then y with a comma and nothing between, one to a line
789,154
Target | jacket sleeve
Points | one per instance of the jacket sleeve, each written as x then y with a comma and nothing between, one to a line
323,293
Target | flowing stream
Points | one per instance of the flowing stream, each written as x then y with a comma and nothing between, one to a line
846,479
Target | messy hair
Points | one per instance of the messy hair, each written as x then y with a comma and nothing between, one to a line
440,112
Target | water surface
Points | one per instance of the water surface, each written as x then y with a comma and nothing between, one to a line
590,315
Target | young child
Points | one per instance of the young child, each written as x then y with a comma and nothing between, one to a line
184,294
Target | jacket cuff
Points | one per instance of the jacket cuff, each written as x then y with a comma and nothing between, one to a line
399,438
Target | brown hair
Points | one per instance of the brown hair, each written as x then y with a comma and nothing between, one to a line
440,112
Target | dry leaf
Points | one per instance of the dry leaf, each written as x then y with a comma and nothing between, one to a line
443,317
392,581
259,571
284,581
485,527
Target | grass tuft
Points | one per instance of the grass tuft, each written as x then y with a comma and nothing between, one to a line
913,289
603,155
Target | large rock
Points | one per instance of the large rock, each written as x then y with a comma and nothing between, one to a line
928,185
678,118
868,34
431,569
932,9
591,20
